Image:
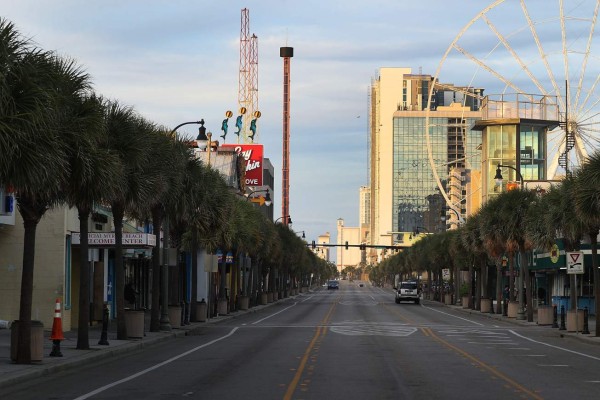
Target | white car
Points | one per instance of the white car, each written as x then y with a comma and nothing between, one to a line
408,291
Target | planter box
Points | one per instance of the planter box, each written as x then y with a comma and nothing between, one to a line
175,316
545,315
269,297
572,316
513,309
465,302
263,299
275,296
222,307
134,323
37,340
448,299
486,305
244,302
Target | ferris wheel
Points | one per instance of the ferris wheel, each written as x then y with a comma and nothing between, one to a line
544,49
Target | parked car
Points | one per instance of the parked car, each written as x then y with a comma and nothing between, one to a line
408,291
333,285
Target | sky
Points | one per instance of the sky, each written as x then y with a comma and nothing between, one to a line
177,61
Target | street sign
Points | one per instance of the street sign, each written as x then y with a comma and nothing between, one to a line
575,262
258,199
446,274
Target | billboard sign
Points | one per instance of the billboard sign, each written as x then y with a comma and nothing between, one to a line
253,154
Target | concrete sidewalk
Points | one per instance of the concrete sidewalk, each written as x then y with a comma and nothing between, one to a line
11,373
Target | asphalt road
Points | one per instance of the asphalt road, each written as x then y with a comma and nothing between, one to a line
351,343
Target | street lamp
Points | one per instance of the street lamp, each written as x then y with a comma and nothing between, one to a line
268,200
303,235
203,140
165,323
288,219
498,178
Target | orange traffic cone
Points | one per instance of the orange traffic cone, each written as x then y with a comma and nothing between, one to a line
57,332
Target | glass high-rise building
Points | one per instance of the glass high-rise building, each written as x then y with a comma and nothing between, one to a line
404,194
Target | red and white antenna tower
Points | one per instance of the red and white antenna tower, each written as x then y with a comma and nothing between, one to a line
248,77
286,53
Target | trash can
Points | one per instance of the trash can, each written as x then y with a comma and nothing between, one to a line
134,323
201,311
175,316
37,340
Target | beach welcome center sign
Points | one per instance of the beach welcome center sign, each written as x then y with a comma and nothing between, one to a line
108,239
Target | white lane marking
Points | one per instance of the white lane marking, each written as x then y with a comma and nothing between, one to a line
308,298
519,348
488,343
552,365
555,347
441,312
529,355
272,315
372,297
145,371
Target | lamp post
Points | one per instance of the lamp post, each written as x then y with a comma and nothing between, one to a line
204,140
288,220
303,235
498,178
165,323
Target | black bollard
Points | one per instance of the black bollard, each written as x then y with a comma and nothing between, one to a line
104,335
586,329
554,316
562,319
186,312
505,308
55,349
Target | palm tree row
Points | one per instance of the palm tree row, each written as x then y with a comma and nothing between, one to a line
61,144
510,224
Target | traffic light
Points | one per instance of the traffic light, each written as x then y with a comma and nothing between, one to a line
313,245
346,245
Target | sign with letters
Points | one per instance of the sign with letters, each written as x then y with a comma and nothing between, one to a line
253,154
574,262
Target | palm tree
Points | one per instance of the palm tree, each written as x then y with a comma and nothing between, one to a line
587,203
93,174
169,163
43,92
553,216
128,140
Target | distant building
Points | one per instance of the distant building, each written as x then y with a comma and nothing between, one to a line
321,251
350,257
404,196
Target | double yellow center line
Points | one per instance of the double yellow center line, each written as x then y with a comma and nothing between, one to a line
320,333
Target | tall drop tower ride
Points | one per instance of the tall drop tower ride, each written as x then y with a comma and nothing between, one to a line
286,53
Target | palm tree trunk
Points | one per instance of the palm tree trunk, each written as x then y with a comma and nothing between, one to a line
527,280
157,215
194,254
83,340
118,214
24,346
499,298
511,273
594,246
470,283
